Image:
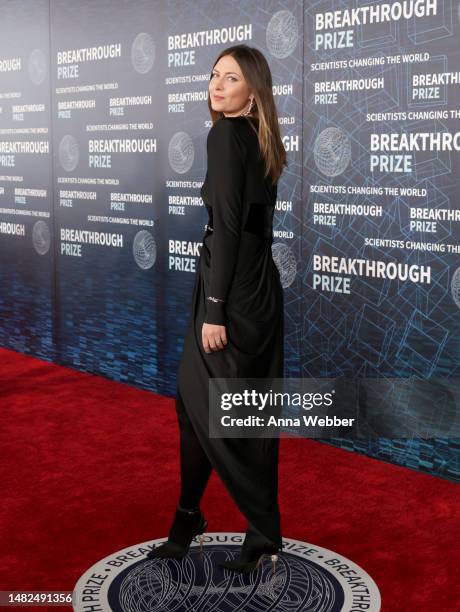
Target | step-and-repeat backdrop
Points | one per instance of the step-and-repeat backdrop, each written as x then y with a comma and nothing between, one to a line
103,125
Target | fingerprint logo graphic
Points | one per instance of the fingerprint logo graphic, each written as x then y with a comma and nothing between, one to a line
303,580
41,237
332,151
37,66
455,287
181,152
68,153
144,249
156,586
285,262
282,34
143,53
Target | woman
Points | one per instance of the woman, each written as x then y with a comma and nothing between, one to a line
236,327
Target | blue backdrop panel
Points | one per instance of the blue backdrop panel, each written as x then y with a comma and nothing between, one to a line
26,222
107,175
186,125
381,327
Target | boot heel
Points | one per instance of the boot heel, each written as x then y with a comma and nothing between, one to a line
274,559
255,547
201,536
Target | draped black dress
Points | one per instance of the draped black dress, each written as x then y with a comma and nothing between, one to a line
237,270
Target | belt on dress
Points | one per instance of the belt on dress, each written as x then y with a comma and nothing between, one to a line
208,228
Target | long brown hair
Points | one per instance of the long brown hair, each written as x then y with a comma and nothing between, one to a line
257,73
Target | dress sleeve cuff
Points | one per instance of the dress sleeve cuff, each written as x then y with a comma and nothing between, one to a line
215,312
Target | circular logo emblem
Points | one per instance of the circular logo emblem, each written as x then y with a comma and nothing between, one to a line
306,577
285,262
41,237
282,34
455,286
37,66
144,249
143,53
68,153
332,151
181,152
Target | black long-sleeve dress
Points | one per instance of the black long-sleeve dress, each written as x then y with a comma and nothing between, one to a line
237,271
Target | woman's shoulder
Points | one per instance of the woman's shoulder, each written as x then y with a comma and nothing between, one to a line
227,132
239,124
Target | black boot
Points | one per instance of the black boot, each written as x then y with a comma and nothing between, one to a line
187,524
255,546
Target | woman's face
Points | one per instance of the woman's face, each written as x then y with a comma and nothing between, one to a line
228,90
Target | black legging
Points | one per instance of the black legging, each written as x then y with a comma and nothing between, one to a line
195,467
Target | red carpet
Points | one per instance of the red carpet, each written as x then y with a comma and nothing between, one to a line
90,466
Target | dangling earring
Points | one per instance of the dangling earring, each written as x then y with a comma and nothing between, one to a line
249,109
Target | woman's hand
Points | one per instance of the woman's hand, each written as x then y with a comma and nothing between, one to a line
214,337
